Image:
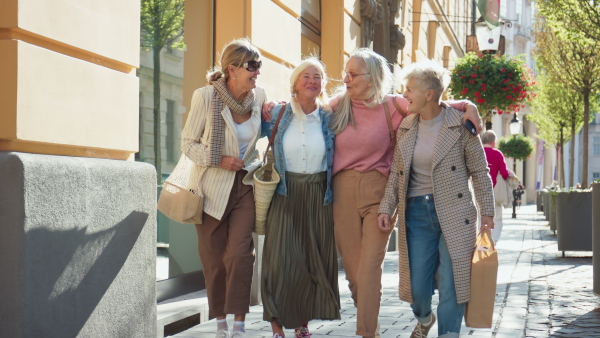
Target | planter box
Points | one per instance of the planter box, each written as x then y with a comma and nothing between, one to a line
596,235
539,200
574,221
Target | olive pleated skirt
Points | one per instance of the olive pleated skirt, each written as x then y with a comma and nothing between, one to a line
299,273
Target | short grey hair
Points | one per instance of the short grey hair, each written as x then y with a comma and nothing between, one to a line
428,75
488,137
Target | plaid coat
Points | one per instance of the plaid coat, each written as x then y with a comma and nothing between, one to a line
457,156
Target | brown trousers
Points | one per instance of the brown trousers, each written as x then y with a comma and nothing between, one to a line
227,252
356,198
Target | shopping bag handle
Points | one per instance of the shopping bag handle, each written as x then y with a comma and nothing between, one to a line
486,231
272,138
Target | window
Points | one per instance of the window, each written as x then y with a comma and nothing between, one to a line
595,176
170,137
596,146
519,8
503,9
311,28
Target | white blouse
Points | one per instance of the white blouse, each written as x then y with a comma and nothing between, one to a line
304,145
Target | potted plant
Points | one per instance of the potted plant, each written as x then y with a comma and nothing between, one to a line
497,84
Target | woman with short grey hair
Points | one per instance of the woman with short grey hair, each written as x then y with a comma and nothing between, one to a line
428,185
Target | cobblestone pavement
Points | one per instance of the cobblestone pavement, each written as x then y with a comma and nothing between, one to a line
539,293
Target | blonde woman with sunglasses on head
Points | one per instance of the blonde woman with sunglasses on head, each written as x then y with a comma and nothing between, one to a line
220,134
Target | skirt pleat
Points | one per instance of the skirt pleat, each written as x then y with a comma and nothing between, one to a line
299,272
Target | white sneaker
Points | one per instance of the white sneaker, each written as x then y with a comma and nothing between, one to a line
222,334
377,334
238,334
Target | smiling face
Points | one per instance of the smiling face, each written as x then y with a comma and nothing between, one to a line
308,84
417,96
357,88
242,78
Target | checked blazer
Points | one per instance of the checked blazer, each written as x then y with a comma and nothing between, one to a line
458,156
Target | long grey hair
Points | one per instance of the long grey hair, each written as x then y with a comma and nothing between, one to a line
382,81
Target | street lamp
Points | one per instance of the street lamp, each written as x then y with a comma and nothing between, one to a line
515,125
515,128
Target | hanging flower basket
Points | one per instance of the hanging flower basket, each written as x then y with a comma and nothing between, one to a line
497,84
518,147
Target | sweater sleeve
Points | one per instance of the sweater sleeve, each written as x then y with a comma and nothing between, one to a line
502,165
457,104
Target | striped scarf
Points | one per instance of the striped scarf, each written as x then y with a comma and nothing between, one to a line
221,98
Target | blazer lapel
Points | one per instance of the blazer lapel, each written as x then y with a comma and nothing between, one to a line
449,134
226,113
409,128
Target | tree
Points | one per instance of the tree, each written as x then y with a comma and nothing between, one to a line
575,64
498,84
161,26
558,113
573,18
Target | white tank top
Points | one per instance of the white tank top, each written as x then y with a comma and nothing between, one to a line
245,133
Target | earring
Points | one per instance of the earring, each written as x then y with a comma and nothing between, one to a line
235,77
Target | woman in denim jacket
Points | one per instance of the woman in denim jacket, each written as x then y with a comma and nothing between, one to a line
299,273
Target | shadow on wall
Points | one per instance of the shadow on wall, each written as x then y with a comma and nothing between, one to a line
71,279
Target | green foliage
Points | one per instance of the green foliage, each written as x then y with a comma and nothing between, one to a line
518,147
162,24
555,109
572,19
498,84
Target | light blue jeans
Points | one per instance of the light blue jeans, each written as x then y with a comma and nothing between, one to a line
427,252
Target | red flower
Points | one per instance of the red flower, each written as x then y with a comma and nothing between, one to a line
472,81
508,97
473,75
480,100
464,91
478,94
502,70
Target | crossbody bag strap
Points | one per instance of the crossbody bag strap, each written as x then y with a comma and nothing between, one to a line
389,122
272,138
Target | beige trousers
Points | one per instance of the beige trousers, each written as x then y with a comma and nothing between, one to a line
356,198
227,252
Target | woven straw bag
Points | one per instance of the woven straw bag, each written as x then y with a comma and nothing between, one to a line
266,179
181,197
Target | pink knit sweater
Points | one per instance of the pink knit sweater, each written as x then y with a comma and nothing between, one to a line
368,147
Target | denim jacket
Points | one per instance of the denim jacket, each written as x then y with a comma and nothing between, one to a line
328,136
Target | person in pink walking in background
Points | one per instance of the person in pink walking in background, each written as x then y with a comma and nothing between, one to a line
497,165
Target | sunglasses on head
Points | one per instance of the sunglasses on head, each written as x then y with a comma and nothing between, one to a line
252,66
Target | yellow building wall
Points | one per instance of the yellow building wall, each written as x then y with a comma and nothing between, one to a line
70,86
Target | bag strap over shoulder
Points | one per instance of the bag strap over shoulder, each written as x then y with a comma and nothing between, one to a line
389,122
272,137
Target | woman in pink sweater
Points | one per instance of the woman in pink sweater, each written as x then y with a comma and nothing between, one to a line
361,165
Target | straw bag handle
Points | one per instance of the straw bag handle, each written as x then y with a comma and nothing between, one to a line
272,138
